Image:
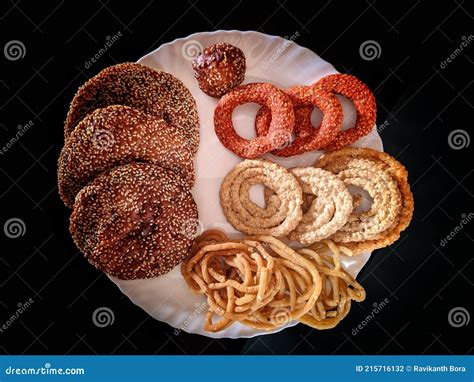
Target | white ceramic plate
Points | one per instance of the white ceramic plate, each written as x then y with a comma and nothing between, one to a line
269,59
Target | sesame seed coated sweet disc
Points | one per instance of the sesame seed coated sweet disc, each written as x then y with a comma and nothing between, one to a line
151,91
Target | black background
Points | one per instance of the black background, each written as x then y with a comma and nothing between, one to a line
421,102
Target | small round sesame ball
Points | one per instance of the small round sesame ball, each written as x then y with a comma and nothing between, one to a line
219,68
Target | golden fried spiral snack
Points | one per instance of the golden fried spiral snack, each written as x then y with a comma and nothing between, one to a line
329,209
327,204
278,219
385,180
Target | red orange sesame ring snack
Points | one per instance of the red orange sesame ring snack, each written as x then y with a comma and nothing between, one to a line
280,128
363,100
303,126
307,137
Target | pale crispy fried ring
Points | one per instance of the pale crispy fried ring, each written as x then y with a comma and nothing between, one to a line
329,210
268,217
272,203
243,183
399,173
382,188
329,207
280,181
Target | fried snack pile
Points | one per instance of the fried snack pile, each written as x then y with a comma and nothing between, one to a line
310,204
262,283
335,302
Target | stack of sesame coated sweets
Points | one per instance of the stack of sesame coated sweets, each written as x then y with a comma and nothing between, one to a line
127,168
